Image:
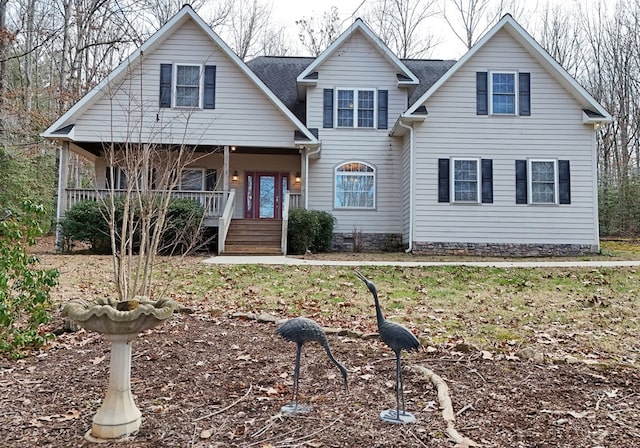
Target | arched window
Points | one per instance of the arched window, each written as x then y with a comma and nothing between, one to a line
355,186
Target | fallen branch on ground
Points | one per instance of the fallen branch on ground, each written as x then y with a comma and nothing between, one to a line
447,408
220,411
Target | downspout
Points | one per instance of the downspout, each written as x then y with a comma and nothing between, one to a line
410,128
306,175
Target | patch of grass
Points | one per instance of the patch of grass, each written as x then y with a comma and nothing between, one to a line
582,311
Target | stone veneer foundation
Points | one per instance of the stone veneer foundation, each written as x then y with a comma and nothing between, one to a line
503,249
391,242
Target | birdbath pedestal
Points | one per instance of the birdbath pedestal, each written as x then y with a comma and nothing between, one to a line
120,323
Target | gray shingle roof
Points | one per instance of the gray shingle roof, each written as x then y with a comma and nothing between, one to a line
279,73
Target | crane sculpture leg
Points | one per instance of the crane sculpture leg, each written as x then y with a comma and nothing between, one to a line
301,330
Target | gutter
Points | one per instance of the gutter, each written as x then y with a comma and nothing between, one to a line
411,145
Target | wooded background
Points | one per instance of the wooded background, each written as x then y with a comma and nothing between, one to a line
53,51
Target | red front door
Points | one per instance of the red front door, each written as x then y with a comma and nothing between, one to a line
264,192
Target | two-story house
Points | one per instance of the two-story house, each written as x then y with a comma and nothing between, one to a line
494,154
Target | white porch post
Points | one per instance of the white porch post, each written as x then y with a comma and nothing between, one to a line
225,169
63,175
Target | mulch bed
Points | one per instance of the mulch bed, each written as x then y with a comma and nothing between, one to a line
207,380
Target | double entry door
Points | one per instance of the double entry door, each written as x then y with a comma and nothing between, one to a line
264,193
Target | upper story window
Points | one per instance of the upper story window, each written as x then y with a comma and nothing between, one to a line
355,185
187,88
503,93
355,108
188,85
466,178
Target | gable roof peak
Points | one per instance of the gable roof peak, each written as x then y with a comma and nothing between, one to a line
359,25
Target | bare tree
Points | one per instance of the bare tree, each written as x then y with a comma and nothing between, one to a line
316,34
247,22
470,19
561,35
274,42
400,24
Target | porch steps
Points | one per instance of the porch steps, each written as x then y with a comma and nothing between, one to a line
254,237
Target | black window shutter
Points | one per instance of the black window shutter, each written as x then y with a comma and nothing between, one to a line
521,181
383,108
209,87
327,118
443,180
108,177
210,180
482,94
165,85
487,181
524,93
564,181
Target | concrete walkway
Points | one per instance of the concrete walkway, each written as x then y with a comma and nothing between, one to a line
282,260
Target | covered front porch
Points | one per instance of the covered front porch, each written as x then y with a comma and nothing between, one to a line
231,183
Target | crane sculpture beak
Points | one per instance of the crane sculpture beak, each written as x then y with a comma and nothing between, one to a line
370,285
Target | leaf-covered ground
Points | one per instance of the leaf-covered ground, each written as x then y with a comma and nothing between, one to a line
532,358
202,380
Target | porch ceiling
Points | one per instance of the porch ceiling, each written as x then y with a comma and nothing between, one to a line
98,149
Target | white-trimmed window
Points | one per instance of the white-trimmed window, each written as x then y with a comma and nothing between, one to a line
503,93
465,180
356,108
192,179
355,186
187,85
543,181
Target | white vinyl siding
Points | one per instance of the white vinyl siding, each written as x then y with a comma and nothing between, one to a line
358,65
240,104
554,131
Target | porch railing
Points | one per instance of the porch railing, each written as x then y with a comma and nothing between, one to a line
295,200
212,201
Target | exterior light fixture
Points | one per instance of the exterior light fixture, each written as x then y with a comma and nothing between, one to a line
298,177
234,177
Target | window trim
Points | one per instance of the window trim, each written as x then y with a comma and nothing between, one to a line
372,174
452,178
356,99
174,86
556,182
516,93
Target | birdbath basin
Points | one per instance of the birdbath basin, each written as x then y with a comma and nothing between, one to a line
120,323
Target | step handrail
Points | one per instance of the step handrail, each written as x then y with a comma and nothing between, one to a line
225,220
285,223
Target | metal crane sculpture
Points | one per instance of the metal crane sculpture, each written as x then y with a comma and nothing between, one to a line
398,338
301,330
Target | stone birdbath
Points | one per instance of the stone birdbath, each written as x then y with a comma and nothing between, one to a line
120,323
